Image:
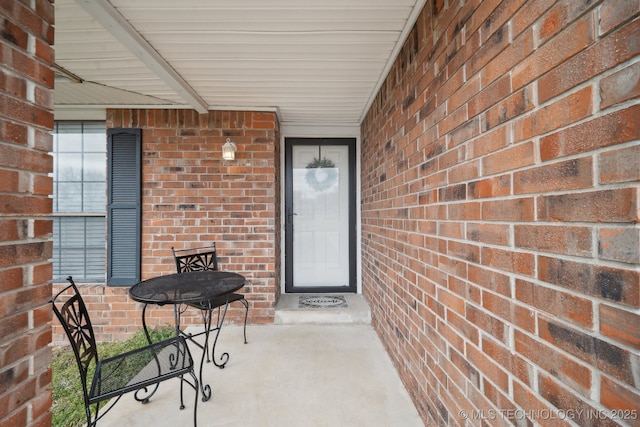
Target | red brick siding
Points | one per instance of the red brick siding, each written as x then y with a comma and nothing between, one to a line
191,197
500,206
26,119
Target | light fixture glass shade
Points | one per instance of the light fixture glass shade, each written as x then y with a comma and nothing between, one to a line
229,150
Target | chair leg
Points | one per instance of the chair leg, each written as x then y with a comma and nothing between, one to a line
87,410
246,314
182,380
196,388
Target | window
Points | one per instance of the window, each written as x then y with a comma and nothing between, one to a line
96,203
79,200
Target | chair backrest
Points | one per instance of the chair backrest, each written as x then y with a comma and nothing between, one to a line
196,259
72,313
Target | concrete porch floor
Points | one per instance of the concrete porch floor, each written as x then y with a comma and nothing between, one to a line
294,374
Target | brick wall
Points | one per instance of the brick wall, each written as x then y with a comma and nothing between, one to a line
191,197
500,211
26,103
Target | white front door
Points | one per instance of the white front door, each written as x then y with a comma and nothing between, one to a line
319,216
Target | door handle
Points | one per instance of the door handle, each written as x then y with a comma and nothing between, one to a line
290,216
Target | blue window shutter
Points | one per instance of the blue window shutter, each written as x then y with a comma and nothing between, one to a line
124,209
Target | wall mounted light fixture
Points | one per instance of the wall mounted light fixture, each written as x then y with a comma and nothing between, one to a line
229,150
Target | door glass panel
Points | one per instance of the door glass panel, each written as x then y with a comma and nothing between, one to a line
321,215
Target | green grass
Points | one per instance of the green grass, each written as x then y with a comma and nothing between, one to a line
68,404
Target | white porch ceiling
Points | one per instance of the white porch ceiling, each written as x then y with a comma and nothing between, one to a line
315,62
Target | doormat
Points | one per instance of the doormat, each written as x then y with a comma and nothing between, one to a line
322,301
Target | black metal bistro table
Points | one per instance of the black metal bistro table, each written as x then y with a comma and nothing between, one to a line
184,288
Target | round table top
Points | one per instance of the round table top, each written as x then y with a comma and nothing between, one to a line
192,286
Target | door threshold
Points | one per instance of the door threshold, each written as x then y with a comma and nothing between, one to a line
300,309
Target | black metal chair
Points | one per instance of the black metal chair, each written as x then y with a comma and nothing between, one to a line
134,371
206,258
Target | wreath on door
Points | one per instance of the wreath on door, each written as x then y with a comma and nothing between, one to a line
321,174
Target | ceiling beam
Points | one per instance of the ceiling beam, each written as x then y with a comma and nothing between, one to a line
109,17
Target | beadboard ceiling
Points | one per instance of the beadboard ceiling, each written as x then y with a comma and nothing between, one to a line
315,62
